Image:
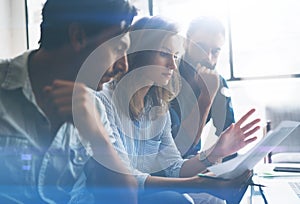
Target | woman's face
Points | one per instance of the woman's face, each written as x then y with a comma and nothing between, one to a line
164,62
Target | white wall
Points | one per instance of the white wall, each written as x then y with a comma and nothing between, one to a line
12,28
5,38
34,21
259,94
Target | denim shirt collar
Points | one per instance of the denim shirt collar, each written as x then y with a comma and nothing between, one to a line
17,77
17,73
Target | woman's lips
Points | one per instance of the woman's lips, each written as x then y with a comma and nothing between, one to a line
168,75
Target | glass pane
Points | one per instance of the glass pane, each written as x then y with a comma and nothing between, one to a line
265,37
34,21
142,6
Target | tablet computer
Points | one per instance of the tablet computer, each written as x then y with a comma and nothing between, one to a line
235,167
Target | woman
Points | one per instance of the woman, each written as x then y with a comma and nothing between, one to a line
137,107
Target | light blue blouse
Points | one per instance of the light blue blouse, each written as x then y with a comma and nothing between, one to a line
145,144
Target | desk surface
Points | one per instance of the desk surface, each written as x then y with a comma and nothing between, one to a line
264,174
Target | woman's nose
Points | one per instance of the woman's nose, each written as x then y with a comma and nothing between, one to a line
172,62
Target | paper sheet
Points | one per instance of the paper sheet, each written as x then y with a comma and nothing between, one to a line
241,163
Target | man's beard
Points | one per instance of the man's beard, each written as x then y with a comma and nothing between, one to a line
203,63
108,77
206,64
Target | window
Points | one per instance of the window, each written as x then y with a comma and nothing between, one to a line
13,28
265,37
34,21
184,11
265,33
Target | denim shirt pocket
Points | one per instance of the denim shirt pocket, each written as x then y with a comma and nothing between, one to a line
18,161
78,155
63,165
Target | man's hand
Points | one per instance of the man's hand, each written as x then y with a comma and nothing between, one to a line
208,81
224,189
59,98
63,95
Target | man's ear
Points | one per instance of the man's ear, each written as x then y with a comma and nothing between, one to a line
77,37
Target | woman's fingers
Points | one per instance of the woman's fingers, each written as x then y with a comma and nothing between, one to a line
245,117
248,141
251,131
250,125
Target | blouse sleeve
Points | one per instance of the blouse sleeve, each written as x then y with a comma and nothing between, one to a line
169,156
117,141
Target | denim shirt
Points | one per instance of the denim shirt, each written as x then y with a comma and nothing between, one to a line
35,169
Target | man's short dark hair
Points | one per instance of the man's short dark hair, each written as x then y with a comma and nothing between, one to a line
209,24
93,15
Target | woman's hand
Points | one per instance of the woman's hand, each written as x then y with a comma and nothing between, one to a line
237,136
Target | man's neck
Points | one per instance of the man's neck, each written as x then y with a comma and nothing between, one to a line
44,67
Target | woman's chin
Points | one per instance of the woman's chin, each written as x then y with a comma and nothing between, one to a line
163,83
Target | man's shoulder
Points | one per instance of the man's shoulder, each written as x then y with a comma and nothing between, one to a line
4,64
223,80
15,65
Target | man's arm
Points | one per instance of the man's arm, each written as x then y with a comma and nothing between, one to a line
222,111
224,189
208,80
87,120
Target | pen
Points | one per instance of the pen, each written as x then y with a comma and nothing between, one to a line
255,184
212,177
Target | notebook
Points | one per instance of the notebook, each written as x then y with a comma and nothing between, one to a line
282,191
237,166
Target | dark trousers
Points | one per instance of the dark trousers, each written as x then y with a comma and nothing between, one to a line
162,197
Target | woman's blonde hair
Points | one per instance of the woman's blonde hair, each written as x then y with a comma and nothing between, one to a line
160,96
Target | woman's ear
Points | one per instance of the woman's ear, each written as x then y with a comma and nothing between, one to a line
77,37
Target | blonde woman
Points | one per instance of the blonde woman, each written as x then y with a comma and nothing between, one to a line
137,108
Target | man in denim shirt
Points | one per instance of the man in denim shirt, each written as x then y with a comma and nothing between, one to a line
45,155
